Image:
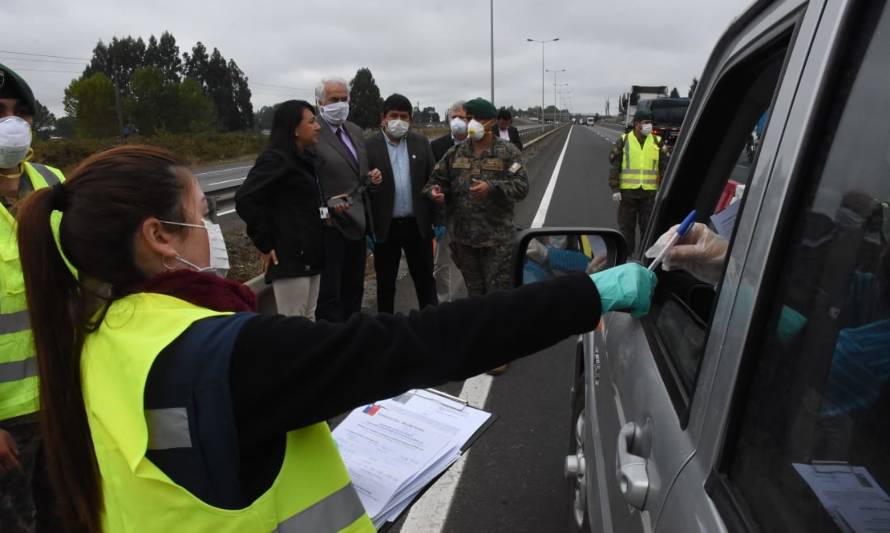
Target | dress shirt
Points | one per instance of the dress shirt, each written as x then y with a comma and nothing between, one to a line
504,134
347,140
403,205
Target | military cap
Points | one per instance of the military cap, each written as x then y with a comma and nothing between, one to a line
13,86
642,114
480,108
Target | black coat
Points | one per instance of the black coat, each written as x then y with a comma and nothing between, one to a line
441,145
279,202
383,196
512,132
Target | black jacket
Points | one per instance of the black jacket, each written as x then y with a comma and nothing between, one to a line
441,145
422,162
279,202
512,132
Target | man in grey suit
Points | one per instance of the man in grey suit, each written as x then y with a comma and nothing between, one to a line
344,176
402,214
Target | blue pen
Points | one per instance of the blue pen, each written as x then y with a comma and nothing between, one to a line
681,232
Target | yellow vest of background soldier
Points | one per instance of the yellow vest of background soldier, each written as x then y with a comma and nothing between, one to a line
634,175
479,182
19,431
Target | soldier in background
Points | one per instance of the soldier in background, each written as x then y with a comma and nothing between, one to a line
479,183
636,168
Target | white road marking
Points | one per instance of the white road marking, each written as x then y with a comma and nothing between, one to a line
541,215
429,513
241,179
222,170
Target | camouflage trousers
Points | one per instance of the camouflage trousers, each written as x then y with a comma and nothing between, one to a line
17,513
486,269
634,211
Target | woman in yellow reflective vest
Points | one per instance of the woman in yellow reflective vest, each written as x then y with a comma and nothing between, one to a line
168,404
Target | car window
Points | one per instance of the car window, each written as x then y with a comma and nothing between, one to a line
808,451
715,170
670,113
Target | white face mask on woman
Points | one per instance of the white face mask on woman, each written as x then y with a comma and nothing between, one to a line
15,141
646,129
219,256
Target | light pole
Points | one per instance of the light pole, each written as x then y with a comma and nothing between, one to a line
492,51
555,96
545,41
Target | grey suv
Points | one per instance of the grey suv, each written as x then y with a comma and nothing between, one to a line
758,401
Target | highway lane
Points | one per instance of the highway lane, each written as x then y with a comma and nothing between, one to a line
512,480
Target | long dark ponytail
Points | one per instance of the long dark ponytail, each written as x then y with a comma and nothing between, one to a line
103,204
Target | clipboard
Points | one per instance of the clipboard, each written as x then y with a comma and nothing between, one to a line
450,402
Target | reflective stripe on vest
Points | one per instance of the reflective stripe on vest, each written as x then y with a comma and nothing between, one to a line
18,370
312,490
18,366
333,513
639,167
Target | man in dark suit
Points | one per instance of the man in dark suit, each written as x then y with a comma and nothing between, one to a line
457,122
402,216
505,130
343,172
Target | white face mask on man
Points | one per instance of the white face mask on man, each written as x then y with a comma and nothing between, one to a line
458,127
219,255
475,130
397,128
15,141
336,113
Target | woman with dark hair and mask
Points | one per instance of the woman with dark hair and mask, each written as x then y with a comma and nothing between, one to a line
283,205
168,404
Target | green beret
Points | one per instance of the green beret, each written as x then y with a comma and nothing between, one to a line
480,108
13,86
642,115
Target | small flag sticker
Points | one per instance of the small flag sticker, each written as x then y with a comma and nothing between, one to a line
371,410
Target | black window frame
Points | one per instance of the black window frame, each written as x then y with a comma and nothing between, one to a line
764,48
728,500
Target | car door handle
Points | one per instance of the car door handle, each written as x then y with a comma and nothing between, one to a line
633,480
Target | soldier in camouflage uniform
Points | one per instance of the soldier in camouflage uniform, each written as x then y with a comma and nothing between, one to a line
479,182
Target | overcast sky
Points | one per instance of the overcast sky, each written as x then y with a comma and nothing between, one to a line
433,52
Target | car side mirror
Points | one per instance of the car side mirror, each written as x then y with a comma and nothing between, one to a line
546,253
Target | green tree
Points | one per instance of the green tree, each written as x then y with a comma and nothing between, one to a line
118,61
262,120
675,93
65,127
90,101
194,110
164,55
44,120
195,65
365,104
692,87
150,105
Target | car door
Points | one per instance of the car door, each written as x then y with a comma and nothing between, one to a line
796,433
648,397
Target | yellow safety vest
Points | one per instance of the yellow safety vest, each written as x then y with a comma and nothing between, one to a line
312,492
18,364
639,168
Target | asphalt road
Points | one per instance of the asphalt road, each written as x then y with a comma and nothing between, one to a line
512,481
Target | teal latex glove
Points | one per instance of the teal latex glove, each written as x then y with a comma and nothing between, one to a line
626,287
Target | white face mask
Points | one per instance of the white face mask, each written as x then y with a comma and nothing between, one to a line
219,256
458,127
336,113
475,130
646,129
397,128
15,140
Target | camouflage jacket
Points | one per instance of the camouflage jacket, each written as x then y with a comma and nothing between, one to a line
488,221
616,158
